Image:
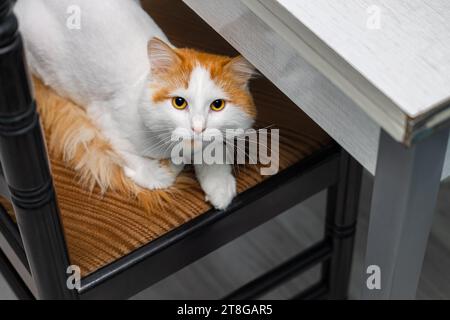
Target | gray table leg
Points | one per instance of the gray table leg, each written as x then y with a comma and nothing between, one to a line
403,202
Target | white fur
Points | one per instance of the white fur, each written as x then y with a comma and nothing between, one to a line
218,183
104,66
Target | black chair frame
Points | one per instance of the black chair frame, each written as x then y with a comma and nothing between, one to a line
34,258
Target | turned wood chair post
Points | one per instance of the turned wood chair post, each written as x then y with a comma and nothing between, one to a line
26,170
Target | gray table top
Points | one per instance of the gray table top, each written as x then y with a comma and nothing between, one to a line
392,57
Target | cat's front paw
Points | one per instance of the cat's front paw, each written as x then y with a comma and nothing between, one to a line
151,174
221,192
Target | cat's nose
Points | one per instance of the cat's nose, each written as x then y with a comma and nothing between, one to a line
198,124
198,129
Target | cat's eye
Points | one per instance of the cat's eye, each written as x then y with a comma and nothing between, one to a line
179,103
217,105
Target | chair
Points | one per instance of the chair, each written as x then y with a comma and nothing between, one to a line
48,221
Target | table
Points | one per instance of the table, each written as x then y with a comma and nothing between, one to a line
375,75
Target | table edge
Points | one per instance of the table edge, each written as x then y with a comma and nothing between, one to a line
390,116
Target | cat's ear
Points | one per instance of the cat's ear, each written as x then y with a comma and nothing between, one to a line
162,56
242,69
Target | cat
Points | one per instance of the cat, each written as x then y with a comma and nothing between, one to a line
136,86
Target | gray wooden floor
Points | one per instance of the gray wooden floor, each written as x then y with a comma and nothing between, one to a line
229,267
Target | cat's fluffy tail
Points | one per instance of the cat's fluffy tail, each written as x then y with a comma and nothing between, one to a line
71,134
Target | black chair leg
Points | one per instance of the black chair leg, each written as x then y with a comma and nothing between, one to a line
26,169
342,209
13,279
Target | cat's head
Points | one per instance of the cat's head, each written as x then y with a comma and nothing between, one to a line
198,91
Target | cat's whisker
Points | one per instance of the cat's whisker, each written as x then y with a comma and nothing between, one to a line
241,150
233,165
150,145
246,154
266,127
169,146
157,146
161,142
150,135
225,133
258,143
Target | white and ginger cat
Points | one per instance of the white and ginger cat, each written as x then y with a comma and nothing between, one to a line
137,87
